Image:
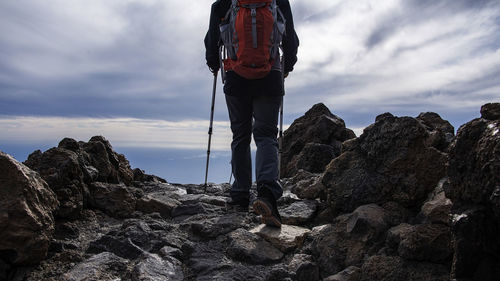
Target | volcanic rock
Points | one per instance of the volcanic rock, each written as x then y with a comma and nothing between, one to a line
153,267
299,213
61,169
490,111
313,140
249,247
390,161
286,238
352,273
441,132
394,268
26,213
474,189
104,266
304,267
114,199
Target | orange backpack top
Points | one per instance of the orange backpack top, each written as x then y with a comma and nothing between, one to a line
251,33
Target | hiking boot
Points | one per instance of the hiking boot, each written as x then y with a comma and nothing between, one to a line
265,205
237,206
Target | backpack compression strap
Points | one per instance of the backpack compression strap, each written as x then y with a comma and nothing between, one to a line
253,12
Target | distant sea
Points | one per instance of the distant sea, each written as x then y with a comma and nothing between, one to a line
174,165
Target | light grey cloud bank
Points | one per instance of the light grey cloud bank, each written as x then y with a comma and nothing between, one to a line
144,59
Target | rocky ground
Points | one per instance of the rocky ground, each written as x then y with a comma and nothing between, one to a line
406,200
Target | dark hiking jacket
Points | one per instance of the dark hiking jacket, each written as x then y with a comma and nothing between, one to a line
236,85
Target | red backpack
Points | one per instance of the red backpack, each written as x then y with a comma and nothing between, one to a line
251,34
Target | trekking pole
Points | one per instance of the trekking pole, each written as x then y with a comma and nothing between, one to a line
210,128
280,142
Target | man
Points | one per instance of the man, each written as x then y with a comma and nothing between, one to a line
253,106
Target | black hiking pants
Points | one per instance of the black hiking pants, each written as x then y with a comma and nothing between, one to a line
257,115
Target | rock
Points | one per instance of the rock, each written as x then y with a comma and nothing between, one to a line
348,240
395,234
212,227
161,203
315,156
286,238
475,245
437,208
26,213
383,116
72,166
352,273
390,161
152,267
441,132
473,187
304,268
320,127
250,248
306,185
60,168
299,213
474,163
168,251
368,219
114,199
422,242
141,176
426,242
394,268
104,266
208,199
121,247
194,209
397,214
137,236
490,111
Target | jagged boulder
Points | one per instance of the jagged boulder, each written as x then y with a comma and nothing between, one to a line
117,200
395,268
26,219
390,161
349,239
474,189
422,242
61,169
112,167
441,132
73,166
313,140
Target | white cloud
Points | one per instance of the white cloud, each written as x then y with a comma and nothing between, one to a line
121,132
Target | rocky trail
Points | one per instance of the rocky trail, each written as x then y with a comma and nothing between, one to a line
406,200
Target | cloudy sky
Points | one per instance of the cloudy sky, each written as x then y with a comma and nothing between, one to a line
134,70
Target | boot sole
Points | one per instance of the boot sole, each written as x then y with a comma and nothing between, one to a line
263,209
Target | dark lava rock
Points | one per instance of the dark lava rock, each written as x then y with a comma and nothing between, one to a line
154,267
104,266
60,168
490,111
394,268
304,141
390,161
474,189
441,132
423,242
71,167
116,200
248,247
26,213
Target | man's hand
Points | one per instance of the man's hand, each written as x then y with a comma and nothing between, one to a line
213,69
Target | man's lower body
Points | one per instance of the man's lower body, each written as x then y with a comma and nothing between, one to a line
258,116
